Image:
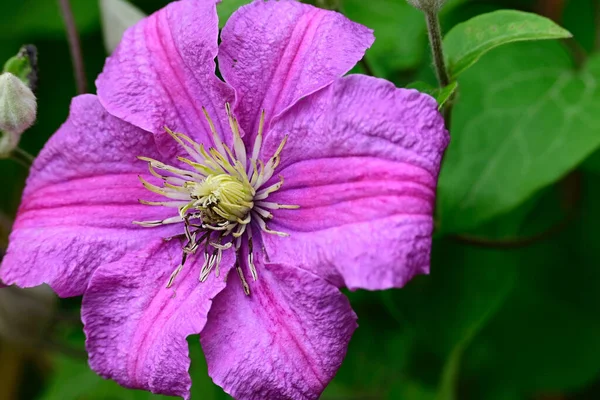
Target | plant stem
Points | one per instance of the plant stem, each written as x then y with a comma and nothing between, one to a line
366,66
22,157
435,40
24,154
74,45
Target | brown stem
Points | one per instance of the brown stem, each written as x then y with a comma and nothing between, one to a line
551,9
74,45
435,40
578,53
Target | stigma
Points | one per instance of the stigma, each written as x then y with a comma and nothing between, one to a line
219,197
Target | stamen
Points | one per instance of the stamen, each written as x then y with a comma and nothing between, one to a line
177,271
166,221
276,206
216,139
220,192
264,193
172,194
263,213
240,231
176,204
263,226
195,155
259,136
251,255
173,170
241,274
238,144
268,170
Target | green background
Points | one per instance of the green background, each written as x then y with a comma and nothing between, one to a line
511,309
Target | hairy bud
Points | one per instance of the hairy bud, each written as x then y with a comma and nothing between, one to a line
17,111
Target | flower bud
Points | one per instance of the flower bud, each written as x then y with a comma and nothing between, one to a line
428,6
17,111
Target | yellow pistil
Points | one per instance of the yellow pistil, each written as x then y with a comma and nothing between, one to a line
220,198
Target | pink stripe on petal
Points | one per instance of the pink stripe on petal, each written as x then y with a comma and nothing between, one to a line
273,53
136,327
80,201
163,73
285,341
361,161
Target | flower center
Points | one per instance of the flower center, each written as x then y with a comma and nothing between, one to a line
219,196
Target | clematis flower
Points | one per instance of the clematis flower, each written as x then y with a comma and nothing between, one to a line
180,204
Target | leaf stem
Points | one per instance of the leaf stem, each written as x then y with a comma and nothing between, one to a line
22,157
435,40
24,154
366,66
74,45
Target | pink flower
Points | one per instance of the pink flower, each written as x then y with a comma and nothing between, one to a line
249,219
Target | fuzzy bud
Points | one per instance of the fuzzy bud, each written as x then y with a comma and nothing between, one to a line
427,6
17,111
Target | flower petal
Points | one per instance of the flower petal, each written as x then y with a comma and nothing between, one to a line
163,73
284,341
273,53
361,161
79,202
136,327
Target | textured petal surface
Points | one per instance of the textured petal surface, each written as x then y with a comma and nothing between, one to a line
136,327
275,52
79,202
285,341
162,73
361,161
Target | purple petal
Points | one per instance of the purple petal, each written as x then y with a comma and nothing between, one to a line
79,202
273,53
162,73
136,327
285,341
361,161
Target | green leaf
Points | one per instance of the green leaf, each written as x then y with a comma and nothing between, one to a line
441,95
578,18
524,119
399,30
445,310
592,163
422,87
24,19
544,337
117,16
24,65
450,373
467,42
444,94
367,372
228,7
72,379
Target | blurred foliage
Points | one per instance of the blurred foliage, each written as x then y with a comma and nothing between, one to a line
500,317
